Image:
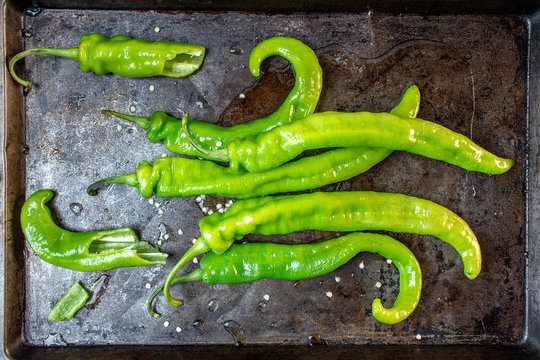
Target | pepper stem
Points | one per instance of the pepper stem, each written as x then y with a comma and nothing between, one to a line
198,248
215,154
141,121
193,276
72,53
128,179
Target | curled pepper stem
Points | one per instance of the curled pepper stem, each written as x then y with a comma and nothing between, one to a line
72,53
193,276
198,248
141,121
217,154
128,179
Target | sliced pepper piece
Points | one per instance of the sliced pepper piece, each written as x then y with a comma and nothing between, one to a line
69,304
83,251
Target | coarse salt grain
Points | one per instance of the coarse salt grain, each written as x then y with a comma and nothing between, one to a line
219,206
219,143
180,232
193,241
157,204
266,297
198,199
210,212
418,336
337,278
119,127
195,260
160,212
242,96
151,201
159,242
362,265
152,88
178,329
389,261
148,286
157,29
166,323
166,236
132,108
378,284
329,294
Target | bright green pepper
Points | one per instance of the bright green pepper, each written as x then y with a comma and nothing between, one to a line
302,99
125,56
175,176
332,211
69,304
250,262
333,129
85,251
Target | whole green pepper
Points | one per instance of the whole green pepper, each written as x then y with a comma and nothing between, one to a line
125,56
251,262
333,129
303,98
85,251
175,176
332,211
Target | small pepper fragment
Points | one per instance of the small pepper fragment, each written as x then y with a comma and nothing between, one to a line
125,56
69,304
84,251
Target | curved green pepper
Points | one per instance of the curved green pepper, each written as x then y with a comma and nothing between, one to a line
175,176
125,56
251,262
333,129
342,211
303,99
86,251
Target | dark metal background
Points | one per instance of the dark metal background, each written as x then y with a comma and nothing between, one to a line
473,76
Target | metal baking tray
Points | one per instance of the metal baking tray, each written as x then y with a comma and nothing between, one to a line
478,70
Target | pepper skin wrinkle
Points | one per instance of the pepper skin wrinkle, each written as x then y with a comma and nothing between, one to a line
179,177
255,261
303,98
342,211
125,56
379,130
83,251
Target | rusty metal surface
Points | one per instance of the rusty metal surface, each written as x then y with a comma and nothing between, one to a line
472,73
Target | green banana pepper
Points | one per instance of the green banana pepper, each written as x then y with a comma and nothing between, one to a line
85,251
303,98
334,129
341,211
125,56
175,176
251,262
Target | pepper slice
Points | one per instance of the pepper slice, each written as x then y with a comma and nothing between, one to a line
125,56
176,176
255,261
84,251
69,304
303,98
342,211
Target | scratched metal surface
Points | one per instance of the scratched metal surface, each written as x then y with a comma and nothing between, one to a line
471,71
